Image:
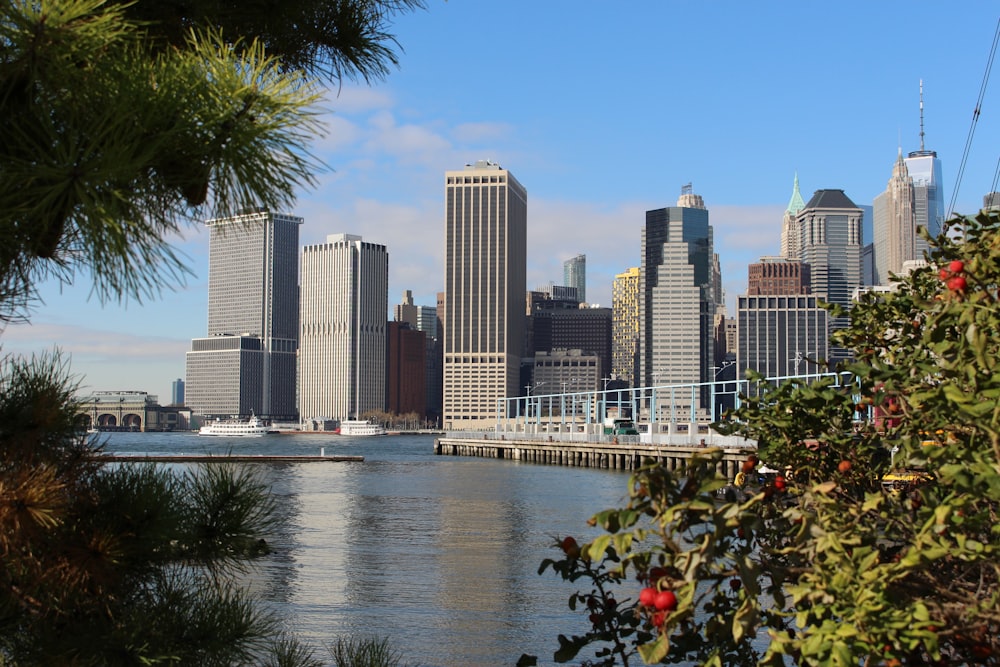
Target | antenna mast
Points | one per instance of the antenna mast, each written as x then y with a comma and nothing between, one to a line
921,115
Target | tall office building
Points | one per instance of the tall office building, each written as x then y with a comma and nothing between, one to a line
777,275
790,245
924,169
781,335
406,367
677,306
585,329
486,230
177,392
831,239
781,329
247,364
894,226
575,275
425,319
625,325
342,356
420,318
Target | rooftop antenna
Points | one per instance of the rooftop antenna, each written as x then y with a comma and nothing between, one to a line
921,114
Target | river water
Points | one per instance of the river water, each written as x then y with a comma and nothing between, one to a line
439,554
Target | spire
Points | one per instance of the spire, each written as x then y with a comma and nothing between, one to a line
899,170
796,204
921,114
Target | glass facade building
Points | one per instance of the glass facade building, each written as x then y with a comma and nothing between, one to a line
575,275
676,305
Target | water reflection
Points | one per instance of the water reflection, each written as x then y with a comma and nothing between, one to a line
438,553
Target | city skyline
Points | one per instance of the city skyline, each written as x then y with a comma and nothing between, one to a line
599,136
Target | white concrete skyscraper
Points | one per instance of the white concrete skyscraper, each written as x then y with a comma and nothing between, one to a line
676,304
247,363
342,351
894,224
790,245
486,230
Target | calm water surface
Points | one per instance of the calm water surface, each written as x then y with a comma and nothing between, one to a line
438,553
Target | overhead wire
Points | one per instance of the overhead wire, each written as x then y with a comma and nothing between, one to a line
975,119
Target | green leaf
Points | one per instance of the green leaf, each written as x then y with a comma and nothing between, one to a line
657,651
598,547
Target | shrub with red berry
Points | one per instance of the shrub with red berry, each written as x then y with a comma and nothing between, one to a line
831,564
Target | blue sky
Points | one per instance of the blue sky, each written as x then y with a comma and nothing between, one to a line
602,110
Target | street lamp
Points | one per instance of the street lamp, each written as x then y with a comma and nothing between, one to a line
538,407
798,358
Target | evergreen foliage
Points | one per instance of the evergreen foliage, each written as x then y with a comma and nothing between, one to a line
122,123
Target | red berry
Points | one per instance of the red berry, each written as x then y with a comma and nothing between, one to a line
735,584
665,601
844,466
957,284
944,274
570,547
957,266
659,618
595,619
647,596
779,483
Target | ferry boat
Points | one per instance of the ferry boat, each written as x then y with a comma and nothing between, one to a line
359,427
235,427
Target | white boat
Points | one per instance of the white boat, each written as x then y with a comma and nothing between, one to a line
360,427
252,427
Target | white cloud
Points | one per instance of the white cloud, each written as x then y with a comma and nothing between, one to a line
408,142
356,99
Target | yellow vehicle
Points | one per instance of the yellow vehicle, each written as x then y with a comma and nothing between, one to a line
900,480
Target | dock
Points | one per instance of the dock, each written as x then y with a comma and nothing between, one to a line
610,455
225,458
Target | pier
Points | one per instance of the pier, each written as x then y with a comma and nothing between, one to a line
670,424
625,456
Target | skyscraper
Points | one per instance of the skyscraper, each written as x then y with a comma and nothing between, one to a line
894,226
177,392
625,325
781,335
928,187
342,357
676,305
575,275
789,226
247,364
830,237
425,319
485,283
